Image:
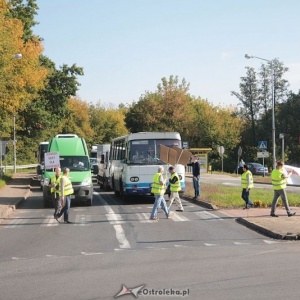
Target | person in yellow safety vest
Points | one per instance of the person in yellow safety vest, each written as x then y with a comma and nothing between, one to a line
247,184
66,190
175,187
158,189
279,184
54,184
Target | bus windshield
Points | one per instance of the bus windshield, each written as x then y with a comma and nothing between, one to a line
148,151
74,163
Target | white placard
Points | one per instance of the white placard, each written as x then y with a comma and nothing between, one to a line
262,154
52,160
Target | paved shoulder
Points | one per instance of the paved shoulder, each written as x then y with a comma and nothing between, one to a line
14,192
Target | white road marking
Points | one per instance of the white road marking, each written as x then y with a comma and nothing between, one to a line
144,218
120,235
49,221
205,215
210,245
179,218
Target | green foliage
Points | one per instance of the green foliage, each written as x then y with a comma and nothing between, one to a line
107,122
25,13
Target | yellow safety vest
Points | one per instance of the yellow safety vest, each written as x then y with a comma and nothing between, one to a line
56,181
68,188
157,188
175,187
278,182
245,180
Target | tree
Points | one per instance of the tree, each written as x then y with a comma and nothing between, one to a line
25,13
249,98
167,109
78,120
49,108
20,80
107,122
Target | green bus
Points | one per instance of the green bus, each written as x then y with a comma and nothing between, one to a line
74,155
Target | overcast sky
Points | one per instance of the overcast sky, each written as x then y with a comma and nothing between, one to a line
126,46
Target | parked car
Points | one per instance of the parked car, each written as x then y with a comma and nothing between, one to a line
257,169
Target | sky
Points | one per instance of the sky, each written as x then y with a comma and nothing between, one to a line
127,46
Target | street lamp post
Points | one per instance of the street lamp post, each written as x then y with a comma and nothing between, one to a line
281,136
273,105
16,56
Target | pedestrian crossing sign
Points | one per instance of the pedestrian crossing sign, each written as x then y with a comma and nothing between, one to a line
262,144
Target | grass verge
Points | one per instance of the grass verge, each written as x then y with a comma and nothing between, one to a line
230,197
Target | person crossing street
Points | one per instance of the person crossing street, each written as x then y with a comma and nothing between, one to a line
175,187
66,190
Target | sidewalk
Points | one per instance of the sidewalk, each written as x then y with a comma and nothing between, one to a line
258,219
12,194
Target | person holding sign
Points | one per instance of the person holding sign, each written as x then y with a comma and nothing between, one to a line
54,185
279,185
66,190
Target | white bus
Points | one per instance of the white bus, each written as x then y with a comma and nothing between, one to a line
103,163
134,159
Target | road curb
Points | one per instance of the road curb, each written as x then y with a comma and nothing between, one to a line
201,203
9,209
267,232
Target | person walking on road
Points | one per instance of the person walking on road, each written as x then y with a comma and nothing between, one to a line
175,187
66,190
158,189
55,195
279,185
247,184
196,176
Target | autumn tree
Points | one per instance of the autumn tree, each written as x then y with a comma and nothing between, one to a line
107,122
166,109
78,120
20,79
25,12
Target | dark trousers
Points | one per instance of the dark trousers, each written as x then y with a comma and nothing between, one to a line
246,196
66,208
56,202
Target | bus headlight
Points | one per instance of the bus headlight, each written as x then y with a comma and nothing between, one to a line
46,181
134,179
87,181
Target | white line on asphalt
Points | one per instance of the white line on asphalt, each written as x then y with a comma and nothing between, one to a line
210,245
144,218
116,218
49,221
91,253
120,234
205,215
241,243
178,218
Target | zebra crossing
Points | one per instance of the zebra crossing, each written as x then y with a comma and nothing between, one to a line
84,219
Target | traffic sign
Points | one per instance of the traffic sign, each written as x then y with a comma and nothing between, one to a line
221,150
263,154
262,144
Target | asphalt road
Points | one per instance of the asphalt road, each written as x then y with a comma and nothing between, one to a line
199,252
